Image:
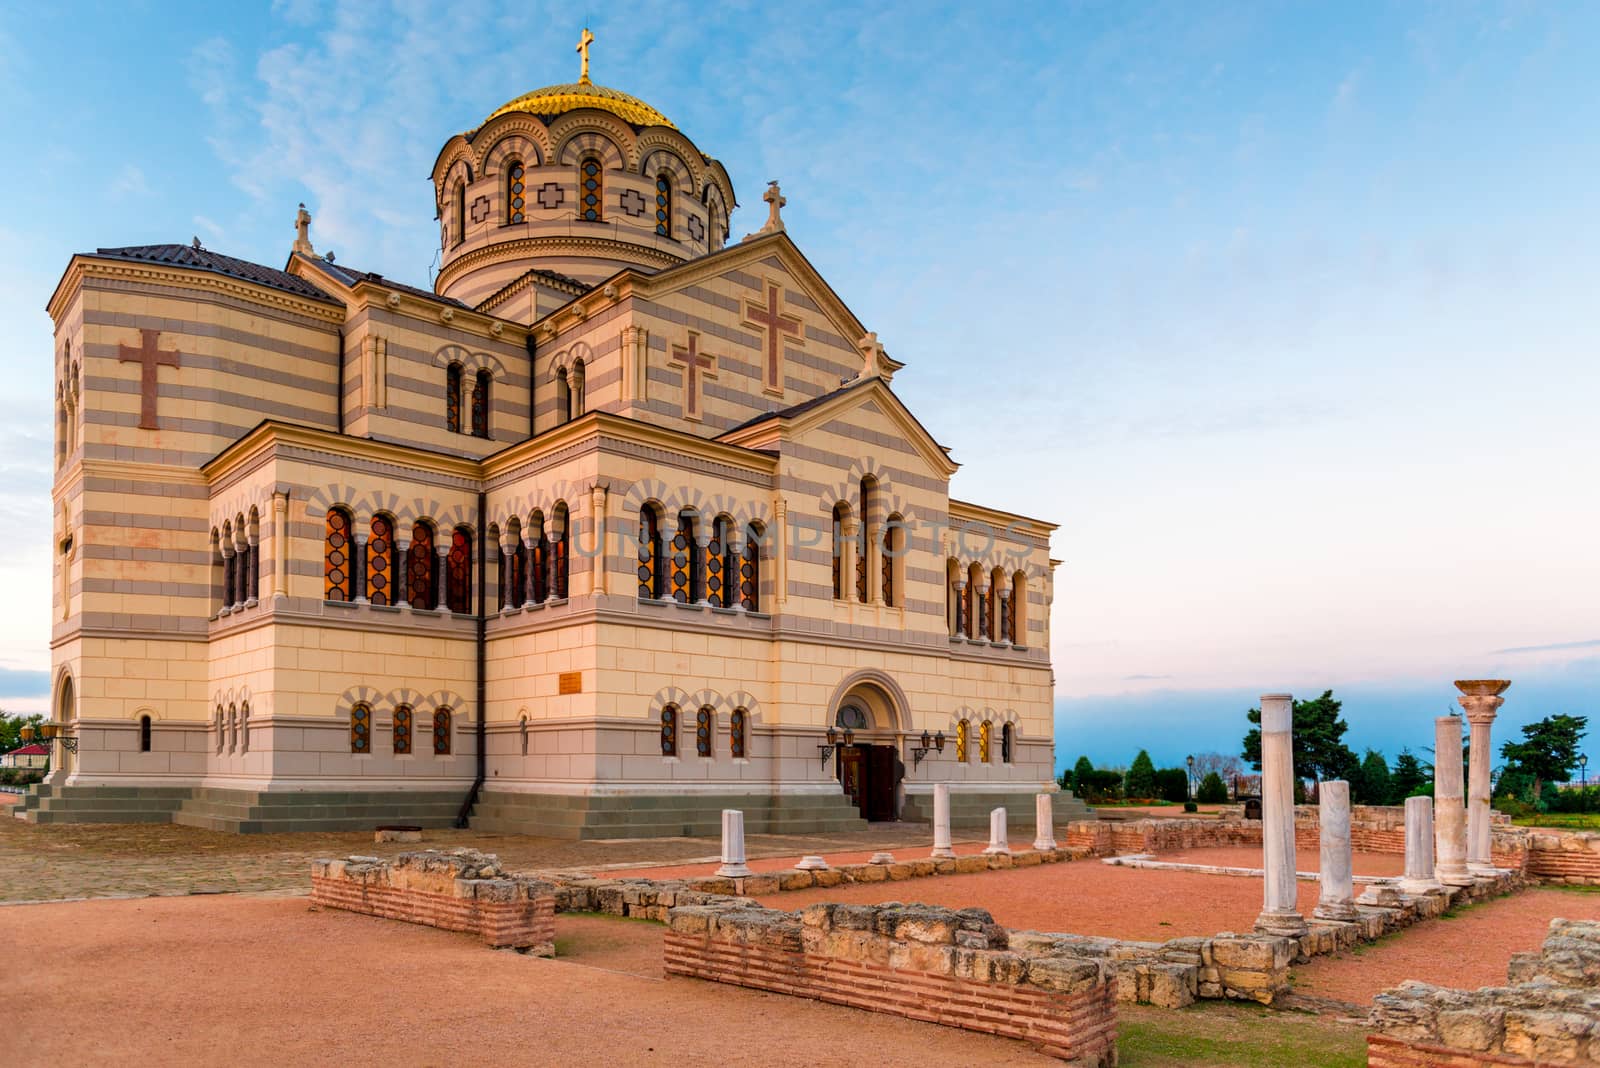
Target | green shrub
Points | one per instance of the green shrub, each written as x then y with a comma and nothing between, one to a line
1190,806
1100,786
1140,782
1172,784
1212,791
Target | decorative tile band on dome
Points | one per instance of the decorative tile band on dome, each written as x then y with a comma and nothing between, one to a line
558,99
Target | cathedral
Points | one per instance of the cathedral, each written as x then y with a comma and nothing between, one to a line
619,524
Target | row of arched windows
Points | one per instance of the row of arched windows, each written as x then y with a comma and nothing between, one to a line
233,730
718,565
454,377
236,562
985,742
400,730
535,559
868,546
986,605
427,572
705,729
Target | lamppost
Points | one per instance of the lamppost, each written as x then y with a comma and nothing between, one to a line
1583,781
1190,762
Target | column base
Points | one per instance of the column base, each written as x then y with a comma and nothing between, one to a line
1283,924
1042,844
996,849
1484,871
1341,911
734,871
1418,887
943,853
1454,878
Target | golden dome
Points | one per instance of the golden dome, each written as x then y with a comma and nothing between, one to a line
557,99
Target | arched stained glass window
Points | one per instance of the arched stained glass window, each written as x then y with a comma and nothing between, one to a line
402,731
1007,734
985,734
841,515
336,557
452,398
652,580
516,568
480,404
669,731
441,732
380,558
591,191
750,570
539,557
419,567
686,577
516,200
963,732
461,212
459,580
716,583
736,733
361,728
663,205
704,723
864,550
560,548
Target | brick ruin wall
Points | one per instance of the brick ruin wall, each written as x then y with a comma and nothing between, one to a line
461,890
1547,1015
942,966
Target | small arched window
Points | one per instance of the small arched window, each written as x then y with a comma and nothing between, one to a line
591,190
999,626
459,578
704,724
452,398
380,561
686,575
480,404
441,732
1007,738
144,734
515,190
894,558
244,727
663,205
560,550
336,561
669,731
419,567
575,402
515,567
522,729
736,733
1019,609
233,727
652,578
985,735
954,608
716,583
222,734
865,542
977,626
539,557
361,728
750,569
563,397
841,518
402,730
461,212
963,738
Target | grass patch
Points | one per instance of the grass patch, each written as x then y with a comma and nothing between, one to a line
1562,821
1234,1036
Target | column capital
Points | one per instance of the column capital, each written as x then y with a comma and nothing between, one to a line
1480,708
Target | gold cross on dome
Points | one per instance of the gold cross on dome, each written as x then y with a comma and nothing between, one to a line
583,50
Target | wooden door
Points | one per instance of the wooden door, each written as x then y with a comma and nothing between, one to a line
852,773
882,777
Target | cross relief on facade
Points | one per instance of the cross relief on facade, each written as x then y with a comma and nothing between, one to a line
696,365
148,356
776,327
550,196
480,209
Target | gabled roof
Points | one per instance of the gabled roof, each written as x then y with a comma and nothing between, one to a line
552,279
349,277
203,259
31,749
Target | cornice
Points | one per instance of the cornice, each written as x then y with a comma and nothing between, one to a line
86,265
269,436
529,247
997,518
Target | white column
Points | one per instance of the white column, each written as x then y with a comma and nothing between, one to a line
1418,878
400,573
1449,808
1336,874
1279,913
1481,699
733,865
1044,834
997,832
442,580
941,821
280,546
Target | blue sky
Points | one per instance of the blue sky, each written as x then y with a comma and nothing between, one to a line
1283,313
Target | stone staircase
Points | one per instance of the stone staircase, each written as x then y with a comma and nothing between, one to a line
101,804
240,811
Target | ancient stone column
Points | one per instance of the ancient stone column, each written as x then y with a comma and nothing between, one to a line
1044,835
733,865
1279,914
1481,699
1449,810
997,832
1337,876
941,821
1418,878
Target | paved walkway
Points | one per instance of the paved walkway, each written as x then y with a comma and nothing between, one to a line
54,862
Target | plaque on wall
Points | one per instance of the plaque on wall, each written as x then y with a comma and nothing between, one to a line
571,682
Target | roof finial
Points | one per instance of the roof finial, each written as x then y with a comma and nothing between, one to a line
775,202
302,231
584,42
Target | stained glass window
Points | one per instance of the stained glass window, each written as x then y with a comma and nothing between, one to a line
685,560
702,731
962,731
736,739
864,558
441,732
419,568
1005,743
663,206
591,191
452,398
516,573
402,731
336,557
750,571
361,728
559,549
380,555
839,513
461,212
985,730
244,727
715,592
669,731
650,571
459,589
889,553
539,559
515,191
480,404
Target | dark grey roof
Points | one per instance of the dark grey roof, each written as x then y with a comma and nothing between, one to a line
350,276
801,408
202,259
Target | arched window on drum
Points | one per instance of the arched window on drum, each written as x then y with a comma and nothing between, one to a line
516,192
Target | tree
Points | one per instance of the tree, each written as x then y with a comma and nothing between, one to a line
1548,749
1317,730
1371,784
11,729
1172,784
1228,768
1141,777
1081,772
1213,791
1407,777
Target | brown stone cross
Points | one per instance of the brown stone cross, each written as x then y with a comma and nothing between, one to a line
696,364
769,318
148,357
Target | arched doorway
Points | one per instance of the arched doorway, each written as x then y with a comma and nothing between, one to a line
869,767
66,714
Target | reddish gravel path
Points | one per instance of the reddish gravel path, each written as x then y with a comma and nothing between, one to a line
771,864
265,981
1468,950
1305,860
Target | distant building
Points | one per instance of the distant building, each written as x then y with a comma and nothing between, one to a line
32,755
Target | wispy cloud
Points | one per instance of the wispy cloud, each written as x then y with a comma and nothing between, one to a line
1145,678
129,182
1555,647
